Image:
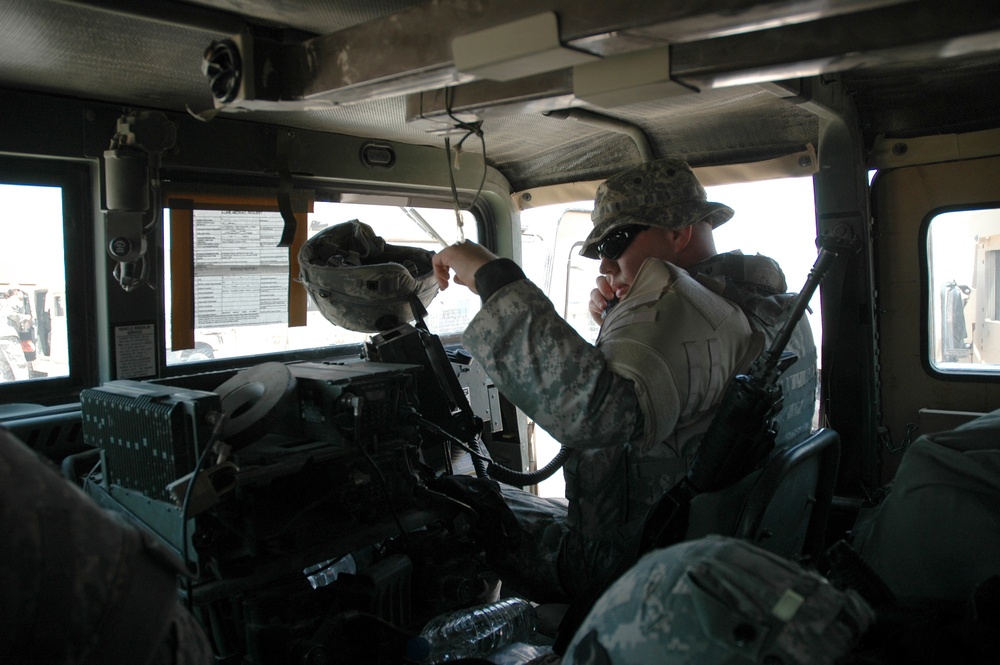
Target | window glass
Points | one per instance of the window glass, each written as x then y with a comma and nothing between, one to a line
552,237
256,323
963,305
33,339
776,218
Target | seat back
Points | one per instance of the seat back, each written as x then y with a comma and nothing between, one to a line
782,507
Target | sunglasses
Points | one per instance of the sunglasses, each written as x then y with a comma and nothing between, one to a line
615,244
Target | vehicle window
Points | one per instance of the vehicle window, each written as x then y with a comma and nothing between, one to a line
33,339
963,291
774,217
552,237
241,279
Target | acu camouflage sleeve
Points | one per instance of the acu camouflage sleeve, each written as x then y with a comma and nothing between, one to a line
555,376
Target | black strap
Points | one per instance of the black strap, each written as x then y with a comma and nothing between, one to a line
285,190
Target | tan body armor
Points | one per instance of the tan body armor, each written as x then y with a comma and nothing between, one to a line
757,285
679,343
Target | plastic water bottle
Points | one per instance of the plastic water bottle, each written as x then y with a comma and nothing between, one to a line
326,572
478,631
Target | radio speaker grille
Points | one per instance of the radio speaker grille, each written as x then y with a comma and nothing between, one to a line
149,435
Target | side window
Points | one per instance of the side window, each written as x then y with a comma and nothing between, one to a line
241,279
963,291
776,218
34,344
552,237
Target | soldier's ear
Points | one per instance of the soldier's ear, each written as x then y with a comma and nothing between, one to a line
680,238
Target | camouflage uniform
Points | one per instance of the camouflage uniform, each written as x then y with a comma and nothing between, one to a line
631,409
631,436
14,366
666,193
719,601
79,585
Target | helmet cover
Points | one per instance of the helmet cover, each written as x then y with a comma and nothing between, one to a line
360,282
719,601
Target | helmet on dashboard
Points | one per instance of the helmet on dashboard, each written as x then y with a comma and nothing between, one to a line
360,282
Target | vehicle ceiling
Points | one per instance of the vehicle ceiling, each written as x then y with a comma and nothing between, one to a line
911,68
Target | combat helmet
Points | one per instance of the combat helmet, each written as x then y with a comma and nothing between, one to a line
360,282
719,601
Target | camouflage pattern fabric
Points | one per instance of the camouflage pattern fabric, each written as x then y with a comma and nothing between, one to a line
757,285
79,585
543,533
680,344
719,601
360,282
663,192
555,563
632,409
555,376
597,404
667,194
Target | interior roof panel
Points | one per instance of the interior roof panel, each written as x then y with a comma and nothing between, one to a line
316,16
904,101
101,50
712,127
71,50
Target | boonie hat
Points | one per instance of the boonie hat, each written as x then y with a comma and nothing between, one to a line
663,192
719,601
360,282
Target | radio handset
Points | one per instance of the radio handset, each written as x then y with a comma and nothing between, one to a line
607,310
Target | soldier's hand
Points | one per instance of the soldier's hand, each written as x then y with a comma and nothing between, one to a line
464,259
599,299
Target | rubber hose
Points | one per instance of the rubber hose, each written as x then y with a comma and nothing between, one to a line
512,477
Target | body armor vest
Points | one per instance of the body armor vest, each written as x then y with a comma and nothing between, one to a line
757,285
679,343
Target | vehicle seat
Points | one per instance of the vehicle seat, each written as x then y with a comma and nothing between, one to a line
782,507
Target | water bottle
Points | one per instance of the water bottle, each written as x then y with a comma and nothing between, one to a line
326,572
479,631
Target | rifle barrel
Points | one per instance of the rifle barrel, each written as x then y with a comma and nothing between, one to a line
819,269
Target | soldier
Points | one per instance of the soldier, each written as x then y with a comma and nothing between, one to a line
632,408
12,308
79,584
16,347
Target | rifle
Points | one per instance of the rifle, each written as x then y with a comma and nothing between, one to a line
738,440
744,428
